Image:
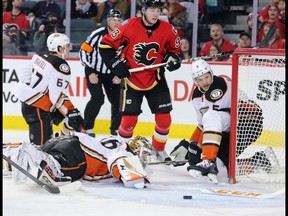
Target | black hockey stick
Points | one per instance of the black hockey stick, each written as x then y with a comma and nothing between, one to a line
268,37
173,162
49,188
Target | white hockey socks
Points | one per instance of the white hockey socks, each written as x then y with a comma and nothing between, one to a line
132,172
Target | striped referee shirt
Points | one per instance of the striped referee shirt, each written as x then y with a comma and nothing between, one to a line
89,52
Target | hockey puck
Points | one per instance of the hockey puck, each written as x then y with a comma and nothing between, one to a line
187,197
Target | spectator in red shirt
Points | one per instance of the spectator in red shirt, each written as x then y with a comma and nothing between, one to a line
217,33
273,17
276,42
15,22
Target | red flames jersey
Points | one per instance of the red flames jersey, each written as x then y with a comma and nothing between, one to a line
143,46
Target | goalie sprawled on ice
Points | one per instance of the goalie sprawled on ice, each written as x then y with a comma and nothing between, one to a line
69,158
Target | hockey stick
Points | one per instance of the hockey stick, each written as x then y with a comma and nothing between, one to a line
268,37
50,188
175,162
132,70
222,192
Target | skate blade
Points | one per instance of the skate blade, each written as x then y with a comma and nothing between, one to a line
209,178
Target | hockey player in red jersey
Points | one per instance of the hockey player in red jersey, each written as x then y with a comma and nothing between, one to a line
43,91
144,41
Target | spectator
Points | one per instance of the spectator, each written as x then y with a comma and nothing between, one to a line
215,49
273,17
217,33
83,9
177,15
276,42
15,30
106,6
42,7
282,8
249,23
264,13
4,5
185,52
46,27
244,40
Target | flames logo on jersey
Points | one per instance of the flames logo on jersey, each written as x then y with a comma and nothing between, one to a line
145,54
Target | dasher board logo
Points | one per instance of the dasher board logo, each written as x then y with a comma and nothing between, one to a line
216,94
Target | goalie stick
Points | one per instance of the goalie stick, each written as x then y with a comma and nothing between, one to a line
50,188
132,70
222,191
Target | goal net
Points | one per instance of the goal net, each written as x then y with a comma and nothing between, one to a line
257,140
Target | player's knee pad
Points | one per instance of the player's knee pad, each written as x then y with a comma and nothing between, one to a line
163,121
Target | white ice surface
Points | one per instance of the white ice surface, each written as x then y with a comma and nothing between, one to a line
112,198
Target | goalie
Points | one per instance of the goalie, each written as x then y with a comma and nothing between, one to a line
212,102
69,158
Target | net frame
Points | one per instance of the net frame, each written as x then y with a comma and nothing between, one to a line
234,101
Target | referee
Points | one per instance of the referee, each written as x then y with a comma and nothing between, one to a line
97,74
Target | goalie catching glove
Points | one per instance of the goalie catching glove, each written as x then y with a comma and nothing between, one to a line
119,68
185,150
173,60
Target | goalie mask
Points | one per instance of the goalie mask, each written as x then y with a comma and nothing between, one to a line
200,67
141,147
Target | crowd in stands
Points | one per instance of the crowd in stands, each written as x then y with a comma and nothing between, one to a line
27,29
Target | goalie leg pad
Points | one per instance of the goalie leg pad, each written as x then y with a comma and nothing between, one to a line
132,172
46,175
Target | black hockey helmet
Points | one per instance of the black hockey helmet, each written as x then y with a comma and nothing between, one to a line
152,3
114,13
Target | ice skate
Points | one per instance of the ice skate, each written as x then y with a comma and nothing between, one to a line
205,170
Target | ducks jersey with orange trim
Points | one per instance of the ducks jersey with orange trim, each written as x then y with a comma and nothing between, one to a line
81,155
141,46
44,84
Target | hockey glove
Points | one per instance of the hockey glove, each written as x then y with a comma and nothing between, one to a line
174,61
119,68
74,119
180,152
194,153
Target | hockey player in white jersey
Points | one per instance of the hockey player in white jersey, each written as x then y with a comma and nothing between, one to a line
43,91
212,102
68,158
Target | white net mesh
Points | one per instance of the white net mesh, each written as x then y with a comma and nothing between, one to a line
260,133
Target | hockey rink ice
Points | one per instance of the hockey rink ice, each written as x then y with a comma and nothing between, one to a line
163,198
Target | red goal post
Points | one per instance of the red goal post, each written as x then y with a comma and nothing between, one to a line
258,126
